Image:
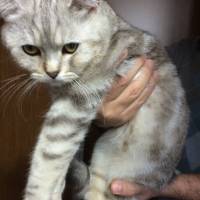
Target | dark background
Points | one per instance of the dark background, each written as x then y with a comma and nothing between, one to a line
19,129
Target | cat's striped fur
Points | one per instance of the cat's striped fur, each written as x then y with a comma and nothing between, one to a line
63,131
145,150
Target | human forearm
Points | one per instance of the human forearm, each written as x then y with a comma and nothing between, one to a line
183,187
186,187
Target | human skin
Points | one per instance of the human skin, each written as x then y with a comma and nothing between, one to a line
184,187
126,97
128,94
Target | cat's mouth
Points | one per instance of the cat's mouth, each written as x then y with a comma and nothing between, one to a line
61,79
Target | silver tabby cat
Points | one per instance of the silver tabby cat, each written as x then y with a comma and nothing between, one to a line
72,46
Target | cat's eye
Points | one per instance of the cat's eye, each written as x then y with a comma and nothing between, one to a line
70,48
31,50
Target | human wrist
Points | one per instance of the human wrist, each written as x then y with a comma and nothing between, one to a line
171,190
186,187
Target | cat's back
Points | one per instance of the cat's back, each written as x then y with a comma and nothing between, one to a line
148,148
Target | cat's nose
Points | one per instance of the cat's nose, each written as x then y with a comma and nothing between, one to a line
52,74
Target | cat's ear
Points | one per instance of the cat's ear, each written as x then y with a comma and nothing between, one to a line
90,4
11,9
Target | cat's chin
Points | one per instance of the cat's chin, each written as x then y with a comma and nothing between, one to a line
56,83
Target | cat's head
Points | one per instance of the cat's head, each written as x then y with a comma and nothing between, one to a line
57,40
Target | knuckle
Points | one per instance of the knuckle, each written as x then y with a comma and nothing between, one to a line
108,115
124,118
115,118
134,92
140,102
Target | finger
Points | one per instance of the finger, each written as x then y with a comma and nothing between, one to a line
130,112
112,115
120,83
125,188
133,91
108,116
123,115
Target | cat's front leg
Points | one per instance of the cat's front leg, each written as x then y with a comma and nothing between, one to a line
97,186
63,131
59,188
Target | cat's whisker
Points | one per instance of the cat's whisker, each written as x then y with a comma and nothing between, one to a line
13,89
95,93
11,92
10,87
86,93
90,91
5,83
18,89
8,90
27,89
83,94
14,77
20,100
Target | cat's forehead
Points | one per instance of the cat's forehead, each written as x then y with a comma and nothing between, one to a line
54,24
49,18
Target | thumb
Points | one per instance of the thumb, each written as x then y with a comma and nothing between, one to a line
124,188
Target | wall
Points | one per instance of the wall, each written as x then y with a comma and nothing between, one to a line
169,20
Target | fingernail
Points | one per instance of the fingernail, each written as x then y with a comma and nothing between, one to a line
116,188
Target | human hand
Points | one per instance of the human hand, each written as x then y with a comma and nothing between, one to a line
127,189
184,186
128,94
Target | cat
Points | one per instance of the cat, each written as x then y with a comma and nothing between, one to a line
72,45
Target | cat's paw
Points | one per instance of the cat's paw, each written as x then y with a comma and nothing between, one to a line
58,191
36,197
94,195
56,196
